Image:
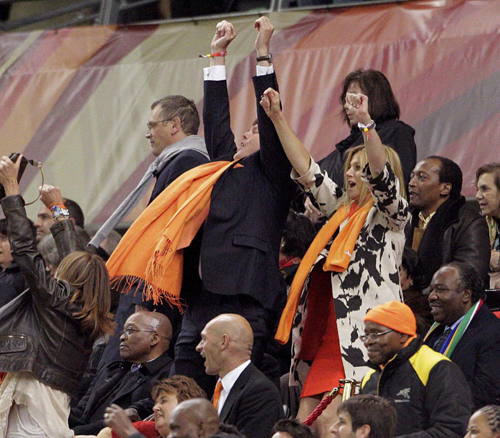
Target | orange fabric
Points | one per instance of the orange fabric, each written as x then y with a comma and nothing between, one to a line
337,260
320,338
151,250
394,315
216,397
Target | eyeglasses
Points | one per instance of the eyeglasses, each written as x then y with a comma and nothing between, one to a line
128,331
152,125
373,336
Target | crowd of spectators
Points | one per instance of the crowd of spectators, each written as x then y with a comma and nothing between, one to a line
362,283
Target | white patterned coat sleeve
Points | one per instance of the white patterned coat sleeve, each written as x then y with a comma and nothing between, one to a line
317,182
388,200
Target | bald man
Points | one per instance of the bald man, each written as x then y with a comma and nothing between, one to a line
247,399
127,383
194,418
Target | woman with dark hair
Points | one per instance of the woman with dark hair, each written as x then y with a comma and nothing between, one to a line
488,197
384,111
351,266
48,331
485,423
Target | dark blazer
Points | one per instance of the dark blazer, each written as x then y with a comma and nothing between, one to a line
116,383
478,356
242,234
253,404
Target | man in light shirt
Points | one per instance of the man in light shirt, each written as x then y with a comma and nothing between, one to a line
244,397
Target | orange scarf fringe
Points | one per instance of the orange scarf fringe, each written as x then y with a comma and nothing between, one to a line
150,253
337,260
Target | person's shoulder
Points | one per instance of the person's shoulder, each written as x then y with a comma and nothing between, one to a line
488,320
189,155
394,127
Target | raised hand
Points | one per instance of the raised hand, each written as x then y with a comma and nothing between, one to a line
224,34
50,195
265,31
270,101
8,175
357,106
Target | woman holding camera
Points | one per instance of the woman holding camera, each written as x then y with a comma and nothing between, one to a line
47,332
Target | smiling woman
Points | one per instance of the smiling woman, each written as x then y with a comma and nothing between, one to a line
167,393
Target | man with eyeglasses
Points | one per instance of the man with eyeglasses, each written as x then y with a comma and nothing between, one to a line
430,393
172,132
127,383
465,330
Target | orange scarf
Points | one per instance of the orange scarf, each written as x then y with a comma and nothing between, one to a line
337,260
150,252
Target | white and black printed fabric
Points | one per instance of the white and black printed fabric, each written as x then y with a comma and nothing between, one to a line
372,276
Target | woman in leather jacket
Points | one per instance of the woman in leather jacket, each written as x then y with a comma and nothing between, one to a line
47,332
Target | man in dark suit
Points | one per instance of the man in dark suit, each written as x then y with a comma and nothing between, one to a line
143,349
456,304
243,397
249,206
172,133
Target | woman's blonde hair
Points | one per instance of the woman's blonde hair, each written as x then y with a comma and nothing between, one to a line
393,160
88,275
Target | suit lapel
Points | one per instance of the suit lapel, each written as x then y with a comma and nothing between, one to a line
236,391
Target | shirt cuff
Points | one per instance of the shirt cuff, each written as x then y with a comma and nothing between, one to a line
308,179
215,73
262,71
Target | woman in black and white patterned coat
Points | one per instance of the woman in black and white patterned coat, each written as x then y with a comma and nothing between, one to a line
355,258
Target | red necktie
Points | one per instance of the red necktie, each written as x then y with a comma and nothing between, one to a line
218,390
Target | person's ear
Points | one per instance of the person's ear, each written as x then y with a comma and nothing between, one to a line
155,339
445,189
363,431
467,295
224,341
176,125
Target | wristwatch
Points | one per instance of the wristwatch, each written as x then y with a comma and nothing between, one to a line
267,57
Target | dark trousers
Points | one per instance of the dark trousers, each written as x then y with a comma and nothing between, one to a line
203,309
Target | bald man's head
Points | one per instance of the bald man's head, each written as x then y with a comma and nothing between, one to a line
194,418
226,342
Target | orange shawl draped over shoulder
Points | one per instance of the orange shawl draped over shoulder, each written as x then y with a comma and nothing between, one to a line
151,251
337,260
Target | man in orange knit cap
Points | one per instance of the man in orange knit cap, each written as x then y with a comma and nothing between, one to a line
430,393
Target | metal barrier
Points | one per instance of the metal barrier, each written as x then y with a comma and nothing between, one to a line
107,12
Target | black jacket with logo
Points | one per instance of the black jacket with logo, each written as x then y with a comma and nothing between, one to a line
430,393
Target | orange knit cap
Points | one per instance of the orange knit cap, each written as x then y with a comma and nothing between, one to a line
394,315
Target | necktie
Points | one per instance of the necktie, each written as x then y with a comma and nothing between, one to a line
218,390
442,339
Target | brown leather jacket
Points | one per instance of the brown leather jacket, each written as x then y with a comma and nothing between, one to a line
38,333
